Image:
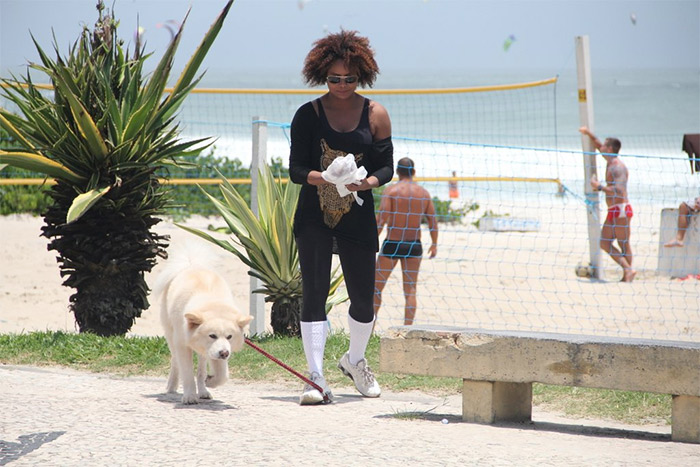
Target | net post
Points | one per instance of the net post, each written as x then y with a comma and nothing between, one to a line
259,156
585,112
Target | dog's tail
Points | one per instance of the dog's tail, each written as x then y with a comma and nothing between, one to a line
220,373
182,256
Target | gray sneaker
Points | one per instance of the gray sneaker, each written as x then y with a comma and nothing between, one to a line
311,395
361,375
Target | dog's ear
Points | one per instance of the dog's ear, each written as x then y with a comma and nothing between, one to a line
244,320
193,320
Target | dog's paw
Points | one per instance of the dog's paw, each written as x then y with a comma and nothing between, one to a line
213,381
189,399
204,394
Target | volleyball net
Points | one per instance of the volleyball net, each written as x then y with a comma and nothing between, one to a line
513,249
514,254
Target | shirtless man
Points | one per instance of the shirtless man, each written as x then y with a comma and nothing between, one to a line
402,207
617,222
685,210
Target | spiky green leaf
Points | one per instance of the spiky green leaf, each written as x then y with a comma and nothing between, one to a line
39,163
188,74
83,202
86,125
16,134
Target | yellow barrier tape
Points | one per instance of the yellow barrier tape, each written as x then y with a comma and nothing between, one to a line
459,90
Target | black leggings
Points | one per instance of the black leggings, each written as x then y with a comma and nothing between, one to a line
358,262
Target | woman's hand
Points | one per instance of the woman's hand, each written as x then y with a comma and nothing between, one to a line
365,184
315,178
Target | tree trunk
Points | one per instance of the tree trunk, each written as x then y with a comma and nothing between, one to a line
108,304
285,316
104,256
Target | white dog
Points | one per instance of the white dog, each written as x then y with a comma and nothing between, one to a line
198,315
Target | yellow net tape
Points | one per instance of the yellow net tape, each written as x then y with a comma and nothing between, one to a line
460,90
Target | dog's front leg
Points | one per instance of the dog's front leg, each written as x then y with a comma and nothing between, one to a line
174,377
202,377
186,370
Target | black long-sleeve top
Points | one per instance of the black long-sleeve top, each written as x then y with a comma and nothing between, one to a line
314,146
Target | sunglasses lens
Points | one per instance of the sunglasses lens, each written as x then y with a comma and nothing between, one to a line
338,79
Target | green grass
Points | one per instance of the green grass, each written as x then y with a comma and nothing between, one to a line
624,406
131,356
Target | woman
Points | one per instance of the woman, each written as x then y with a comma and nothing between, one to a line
339,123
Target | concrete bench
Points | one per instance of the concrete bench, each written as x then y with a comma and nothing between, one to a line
498,368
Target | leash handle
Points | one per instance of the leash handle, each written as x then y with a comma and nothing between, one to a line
289,369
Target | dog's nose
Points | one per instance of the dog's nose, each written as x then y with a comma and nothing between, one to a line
224,354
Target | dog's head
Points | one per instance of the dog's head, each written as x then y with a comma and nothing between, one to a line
216,333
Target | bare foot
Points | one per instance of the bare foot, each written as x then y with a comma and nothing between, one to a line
628,275
674,243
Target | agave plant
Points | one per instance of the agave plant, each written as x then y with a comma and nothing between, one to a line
103,134
265,243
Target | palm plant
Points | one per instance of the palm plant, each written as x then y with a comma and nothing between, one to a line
103,134
265,243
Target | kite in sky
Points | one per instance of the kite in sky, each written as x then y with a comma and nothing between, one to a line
171,25
633,18
509,41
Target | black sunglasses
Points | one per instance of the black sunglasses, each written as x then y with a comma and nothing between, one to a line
336,79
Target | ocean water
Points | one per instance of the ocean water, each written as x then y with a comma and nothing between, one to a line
626,102
530,133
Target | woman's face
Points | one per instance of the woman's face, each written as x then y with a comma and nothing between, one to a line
341,81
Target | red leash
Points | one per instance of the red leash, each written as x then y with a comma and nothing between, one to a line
291,370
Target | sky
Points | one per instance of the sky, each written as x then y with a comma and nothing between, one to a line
408,36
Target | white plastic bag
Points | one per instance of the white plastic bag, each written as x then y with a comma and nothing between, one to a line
344,171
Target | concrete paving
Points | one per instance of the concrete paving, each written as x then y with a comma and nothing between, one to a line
54,416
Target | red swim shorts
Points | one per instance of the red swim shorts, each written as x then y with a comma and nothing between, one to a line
623,210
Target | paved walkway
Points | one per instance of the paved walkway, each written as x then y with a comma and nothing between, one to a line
59,417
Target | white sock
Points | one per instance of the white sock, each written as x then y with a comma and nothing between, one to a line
313,335
359,338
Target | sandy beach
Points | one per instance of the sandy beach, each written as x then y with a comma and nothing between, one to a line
488,280
33,299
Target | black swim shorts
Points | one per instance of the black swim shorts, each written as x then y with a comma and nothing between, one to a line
402,249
